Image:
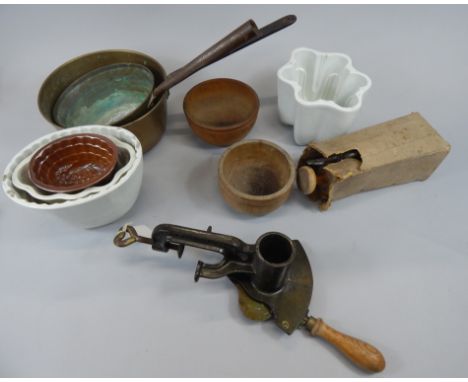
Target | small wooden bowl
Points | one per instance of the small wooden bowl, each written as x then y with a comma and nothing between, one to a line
221,111
73,163
255,176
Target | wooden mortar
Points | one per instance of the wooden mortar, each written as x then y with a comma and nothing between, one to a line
255,176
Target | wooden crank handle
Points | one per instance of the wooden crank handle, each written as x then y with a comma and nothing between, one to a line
359,352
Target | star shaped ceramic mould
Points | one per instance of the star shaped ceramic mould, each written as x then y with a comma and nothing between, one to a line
320,94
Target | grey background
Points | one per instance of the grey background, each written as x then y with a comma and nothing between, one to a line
390,266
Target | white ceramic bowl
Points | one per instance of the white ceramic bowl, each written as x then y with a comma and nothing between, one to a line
21,180
96,209
320,94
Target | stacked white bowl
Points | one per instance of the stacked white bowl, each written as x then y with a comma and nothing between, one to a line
94,206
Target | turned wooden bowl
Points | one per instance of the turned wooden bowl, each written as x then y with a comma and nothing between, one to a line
255,176
73,163
221,111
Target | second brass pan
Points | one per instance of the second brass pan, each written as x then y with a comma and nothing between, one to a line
148,128
103,95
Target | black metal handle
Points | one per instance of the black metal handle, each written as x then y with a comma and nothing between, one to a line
333,158
243,36
267,30
221,49
169,236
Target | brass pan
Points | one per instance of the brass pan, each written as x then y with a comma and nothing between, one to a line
149,127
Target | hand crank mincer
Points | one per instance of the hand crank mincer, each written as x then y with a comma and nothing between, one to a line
273,276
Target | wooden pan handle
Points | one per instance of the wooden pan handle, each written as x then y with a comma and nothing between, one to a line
359,352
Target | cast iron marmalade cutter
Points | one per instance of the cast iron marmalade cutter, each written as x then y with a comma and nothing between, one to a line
273,277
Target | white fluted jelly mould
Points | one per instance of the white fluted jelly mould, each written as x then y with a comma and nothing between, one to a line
320,94
96,209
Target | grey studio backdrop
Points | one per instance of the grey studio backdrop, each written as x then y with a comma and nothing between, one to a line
390,266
